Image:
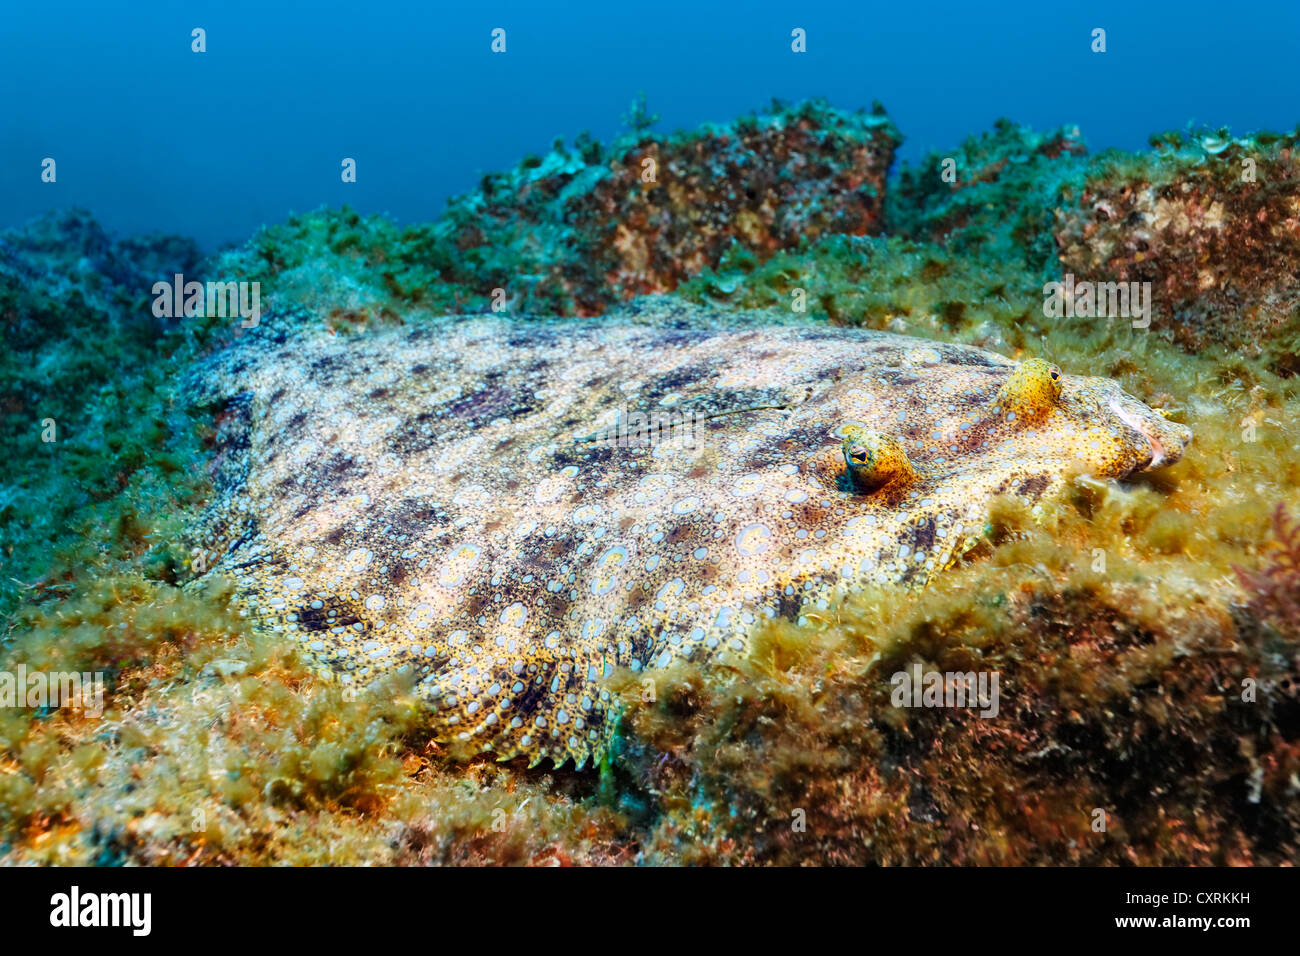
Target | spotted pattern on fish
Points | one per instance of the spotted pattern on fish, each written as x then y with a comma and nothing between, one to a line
443,499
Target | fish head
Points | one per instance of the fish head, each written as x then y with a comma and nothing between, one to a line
1088,421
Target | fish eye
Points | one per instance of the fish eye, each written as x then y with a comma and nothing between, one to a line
874,460
1031,391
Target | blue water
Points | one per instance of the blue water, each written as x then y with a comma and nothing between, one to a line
150,136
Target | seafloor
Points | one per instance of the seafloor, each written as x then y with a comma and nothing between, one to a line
1160,684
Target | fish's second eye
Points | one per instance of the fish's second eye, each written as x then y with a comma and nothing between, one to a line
874,460
1030,392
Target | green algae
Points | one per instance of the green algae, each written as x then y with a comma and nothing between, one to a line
1110,696
77,369
873,282
993,197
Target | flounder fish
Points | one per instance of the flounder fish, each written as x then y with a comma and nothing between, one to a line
510,510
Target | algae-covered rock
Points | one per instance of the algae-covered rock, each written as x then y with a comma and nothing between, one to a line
82,358
1129,729
585,227
993,196
668,208
1213,223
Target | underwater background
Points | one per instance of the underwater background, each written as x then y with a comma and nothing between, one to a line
152,137
926,171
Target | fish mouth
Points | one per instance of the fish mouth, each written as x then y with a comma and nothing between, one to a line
1168,440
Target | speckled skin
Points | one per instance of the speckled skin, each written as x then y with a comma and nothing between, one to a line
432,498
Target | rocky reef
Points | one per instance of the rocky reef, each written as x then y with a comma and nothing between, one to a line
82,360
1145,632
1213,223
587,225
992,197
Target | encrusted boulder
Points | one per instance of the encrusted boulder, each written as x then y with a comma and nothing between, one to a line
585,227
1213,223
992,195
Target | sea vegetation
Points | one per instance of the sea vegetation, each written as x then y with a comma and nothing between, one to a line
1145,633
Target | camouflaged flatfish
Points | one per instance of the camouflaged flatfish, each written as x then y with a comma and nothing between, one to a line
513,509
